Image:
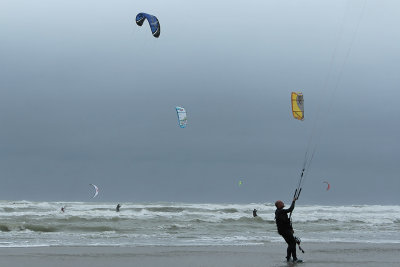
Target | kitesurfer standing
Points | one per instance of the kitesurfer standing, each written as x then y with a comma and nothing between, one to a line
118,207
285,228
254,213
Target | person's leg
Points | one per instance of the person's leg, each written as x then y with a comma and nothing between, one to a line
292,245
293,249
286,236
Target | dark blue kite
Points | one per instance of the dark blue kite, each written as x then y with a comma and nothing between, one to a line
153,21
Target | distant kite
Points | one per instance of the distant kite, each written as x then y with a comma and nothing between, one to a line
297,105
329,186
153,22
182,117
240,183
96,192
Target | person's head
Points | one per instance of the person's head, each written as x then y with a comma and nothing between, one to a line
279,204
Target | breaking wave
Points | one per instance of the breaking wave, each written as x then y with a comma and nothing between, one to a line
27,223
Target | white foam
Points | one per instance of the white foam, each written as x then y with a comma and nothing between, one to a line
26,224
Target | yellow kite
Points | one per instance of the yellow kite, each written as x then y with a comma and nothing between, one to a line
298,105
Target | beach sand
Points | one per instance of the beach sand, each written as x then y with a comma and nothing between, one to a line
271,254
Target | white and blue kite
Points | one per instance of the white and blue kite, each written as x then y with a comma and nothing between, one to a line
182,118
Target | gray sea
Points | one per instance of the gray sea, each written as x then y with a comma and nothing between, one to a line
31,224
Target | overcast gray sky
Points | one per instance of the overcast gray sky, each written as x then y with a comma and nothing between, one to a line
87,96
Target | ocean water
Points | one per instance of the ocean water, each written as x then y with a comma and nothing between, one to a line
30,224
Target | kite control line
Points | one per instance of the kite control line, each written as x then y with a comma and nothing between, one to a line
298,241
297,99
295,196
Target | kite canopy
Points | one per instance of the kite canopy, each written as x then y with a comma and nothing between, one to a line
298,105
182,118
153,22
329,186
96,190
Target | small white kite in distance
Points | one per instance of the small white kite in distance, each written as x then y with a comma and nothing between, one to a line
96,190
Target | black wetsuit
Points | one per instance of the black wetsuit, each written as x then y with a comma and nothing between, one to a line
254,213
118,206
285,230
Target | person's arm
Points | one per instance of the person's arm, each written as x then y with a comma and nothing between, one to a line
291,207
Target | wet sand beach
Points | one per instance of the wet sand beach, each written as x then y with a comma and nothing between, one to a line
271,254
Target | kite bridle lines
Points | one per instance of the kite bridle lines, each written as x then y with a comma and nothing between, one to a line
308,158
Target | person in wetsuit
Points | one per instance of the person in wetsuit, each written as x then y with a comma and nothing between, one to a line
285,228
254,213
118,207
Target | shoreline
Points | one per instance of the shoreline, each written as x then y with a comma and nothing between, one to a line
270,254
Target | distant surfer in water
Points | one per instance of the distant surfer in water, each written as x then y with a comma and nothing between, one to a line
118,207
254,213
62,209
285,228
